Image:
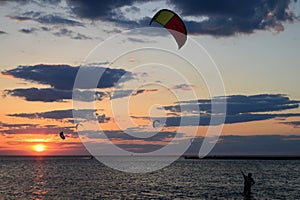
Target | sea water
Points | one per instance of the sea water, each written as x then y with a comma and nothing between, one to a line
84,178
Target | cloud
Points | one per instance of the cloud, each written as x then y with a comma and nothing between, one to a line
57,20
58,114
63,32
160,136
10,129
54,95
43,28
41,130
23,2
109,11
125,93
5,125
94,9
227,18
50,19
44,94
62,77
295,124
137,40
143,91
135,144
50,2
27,31
122,135
121,93
183,87
47,19
240,104
205,120
215,17
240,108
19,18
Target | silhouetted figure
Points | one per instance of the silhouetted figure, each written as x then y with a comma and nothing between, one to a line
248,182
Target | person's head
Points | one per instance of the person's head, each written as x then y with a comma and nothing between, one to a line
250,174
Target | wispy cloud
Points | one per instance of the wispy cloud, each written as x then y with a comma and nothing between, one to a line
6,125
28,31
54,95
19,18
10,129
295,124
63,32
57,20
39,130
46,19
183,87
57,114
125,93
135,144
55,23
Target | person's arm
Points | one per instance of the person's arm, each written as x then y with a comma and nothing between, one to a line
243,174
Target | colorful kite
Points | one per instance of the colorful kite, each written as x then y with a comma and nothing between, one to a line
173,23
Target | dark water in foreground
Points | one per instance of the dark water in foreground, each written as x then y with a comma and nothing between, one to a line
80,178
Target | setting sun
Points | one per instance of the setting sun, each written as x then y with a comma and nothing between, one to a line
39,148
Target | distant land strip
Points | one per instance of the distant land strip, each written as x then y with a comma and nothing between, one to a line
246,157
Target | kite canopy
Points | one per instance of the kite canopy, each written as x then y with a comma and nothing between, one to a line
156,123
173,23
62,136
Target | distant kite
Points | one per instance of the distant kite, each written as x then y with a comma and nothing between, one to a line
156,123
62,136
76,126
173,23
102,118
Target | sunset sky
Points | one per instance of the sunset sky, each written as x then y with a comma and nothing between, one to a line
254,44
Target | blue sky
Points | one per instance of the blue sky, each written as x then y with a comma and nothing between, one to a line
254,44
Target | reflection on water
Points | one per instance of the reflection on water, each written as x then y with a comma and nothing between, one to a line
23,177
38,190
81,178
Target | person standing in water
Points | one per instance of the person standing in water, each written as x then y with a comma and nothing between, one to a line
248,182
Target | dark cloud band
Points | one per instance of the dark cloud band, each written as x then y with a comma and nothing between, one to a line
62,77
240,108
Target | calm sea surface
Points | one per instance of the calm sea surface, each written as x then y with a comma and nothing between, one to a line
82,178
